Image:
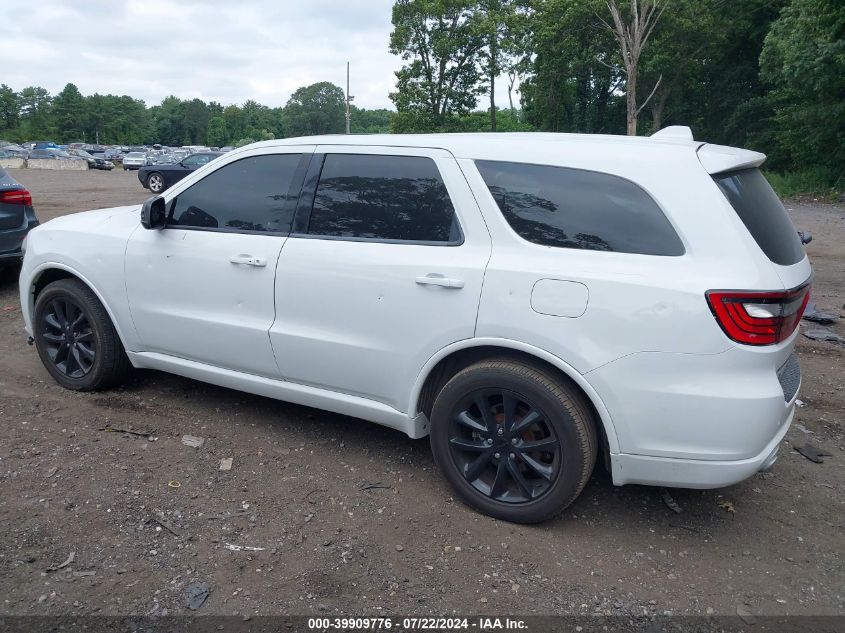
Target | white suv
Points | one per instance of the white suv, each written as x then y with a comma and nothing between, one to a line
531,301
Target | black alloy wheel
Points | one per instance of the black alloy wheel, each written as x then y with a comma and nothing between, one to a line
68,337
504,446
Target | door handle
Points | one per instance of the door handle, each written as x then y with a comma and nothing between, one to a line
248,260
434,279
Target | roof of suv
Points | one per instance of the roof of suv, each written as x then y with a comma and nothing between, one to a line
538,146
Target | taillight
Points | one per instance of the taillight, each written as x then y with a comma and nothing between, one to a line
16,196
759,318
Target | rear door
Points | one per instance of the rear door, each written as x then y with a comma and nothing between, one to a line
383,269
202,288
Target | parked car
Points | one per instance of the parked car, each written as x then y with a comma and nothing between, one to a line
94,162
45,145
134,160
53,154
112,154
158,177
17,218
534,302
14,151
226,148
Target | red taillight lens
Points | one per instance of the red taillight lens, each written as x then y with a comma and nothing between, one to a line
16,196
759,318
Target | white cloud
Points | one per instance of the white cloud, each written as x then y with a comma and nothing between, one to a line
227,52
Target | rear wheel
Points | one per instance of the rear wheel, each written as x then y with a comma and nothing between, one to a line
514,441
156,182
76,339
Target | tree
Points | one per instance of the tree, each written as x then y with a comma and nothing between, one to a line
803,59
36,112
571,86
440,40
632,32
217,135
9,108
315,109
69,114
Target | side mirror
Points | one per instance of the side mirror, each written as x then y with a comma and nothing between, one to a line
154,213
806,237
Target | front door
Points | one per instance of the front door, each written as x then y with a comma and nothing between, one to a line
383,271
202,288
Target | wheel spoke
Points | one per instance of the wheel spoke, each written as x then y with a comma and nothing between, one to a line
465,419
51,320
543,470
483,405
53,338
74,352
79,318
509,403
545,445
475,468
519,478
59,310
85,337
500,483
86,351
469,445
530,418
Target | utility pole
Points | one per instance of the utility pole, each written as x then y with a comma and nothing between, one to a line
349,97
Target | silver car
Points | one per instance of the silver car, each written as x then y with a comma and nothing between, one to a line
134,160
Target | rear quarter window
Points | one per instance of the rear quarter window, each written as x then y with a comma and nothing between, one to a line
762,213
576,208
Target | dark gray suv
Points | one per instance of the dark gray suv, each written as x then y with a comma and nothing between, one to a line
17,217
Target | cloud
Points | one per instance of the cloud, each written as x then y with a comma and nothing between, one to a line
225,52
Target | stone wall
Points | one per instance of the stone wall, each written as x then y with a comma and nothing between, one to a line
12,163
56,163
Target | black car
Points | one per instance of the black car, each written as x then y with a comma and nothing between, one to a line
94,162
159,177
17,217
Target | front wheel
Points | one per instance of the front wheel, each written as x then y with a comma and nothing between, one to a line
156,182
514,441
76,339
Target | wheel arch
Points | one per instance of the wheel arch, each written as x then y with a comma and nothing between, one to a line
49,272
451,359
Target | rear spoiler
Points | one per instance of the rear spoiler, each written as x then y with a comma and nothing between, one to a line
720,158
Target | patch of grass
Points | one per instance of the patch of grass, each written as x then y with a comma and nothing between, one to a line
817,182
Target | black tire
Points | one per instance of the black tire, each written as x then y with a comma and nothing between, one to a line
72,366
553,447
155,182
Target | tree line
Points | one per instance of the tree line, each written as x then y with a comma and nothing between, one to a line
67,117
762,74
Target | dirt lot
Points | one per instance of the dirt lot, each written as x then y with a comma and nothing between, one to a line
353,518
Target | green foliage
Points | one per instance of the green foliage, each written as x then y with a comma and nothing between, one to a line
820,182
803,60
440,40
316,109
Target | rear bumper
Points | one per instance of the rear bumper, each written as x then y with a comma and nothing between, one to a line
694,473
11,239
698,421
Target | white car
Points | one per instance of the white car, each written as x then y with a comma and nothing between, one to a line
533,302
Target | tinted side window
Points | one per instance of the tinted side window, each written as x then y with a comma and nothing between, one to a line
382,198
574,208
759,208
251,194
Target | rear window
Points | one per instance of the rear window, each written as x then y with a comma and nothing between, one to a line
759,208
576,208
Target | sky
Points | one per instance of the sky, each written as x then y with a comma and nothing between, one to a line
215,50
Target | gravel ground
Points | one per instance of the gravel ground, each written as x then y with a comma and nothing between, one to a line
353,518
